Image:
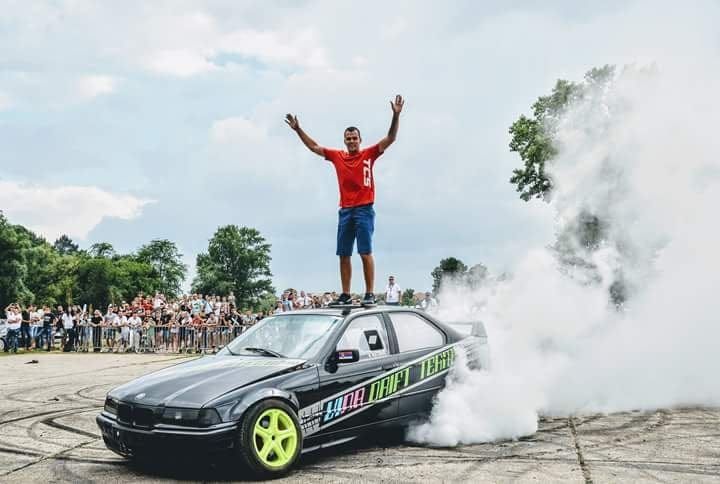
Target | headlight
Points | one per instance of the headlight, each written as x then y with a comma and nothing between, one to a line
188,416
111,405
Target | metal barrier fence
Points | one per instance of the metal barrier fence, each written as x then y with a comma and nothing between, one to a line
146,339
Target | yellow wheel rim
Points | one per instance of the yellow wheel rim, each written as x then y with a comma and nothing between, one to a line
275,438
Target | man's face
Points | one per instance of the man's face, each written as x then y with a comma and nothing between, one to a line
352,141
391,280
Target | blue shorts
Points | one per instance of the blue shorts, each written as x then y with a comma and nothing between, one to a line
355,223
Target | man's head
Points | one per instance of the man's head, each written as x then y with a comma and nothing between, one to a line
391,279
352,139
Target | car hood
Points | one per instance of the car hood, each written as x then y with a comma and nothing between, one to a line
196,382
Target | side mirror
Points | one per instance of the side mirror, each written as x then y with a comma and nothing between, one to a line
346,356
340,357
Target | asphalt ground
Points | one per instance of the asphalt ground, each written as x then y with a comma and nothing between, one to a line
48,434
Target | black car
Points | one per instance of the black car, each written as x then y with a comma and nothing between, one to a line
293,383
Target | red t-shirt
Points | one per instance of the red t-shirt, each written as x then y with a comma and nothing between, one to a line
355,174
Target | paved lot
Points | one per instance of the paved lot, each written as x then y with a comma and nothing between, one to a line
48,433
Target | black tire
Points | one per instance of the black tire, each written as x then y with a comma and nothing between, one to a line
247,447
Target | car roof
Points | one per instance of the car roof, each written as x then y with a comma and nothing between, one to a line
351,310
346,312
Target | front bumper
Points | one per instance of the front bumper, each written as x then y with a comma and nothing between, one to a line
131,441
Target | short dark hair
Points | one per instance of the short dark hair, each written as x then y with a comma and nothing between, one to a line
352,128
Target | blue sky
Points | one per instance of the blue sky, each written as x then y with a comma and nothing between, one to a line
129,121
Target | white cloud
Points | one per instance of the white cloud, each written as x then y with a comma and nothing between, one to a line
236,129
302,48
5,102
71,210
180,62
95,85
194,55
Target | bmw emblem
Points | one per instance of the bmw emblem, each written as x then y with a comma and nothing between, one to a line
140,396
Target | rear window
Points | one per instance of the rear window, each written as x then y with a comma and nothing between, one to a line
415,333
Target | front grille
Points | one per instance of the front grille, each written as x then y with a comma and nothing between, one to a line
124,413
135,416
142,417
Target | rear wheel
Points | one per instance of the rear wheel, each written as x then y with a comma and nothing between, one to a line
270,438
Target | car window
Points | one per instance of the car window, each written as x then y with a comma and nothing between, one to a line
291,335
367,335
414,333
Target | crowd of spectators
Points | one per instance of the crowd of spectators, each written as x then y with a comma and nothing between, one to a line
191,323
147,323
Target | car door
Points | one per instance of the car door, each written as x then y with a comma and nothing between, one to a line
348,396
423,345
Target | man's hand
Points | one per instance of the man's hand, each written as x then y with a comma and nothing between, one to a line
292,121
396,106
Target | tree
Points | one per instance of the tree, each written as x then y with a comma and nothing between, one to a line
476,275
102,249
132,276
166,260
238,260
65,246
12,267
42,275
449,269
408,297
267,303
96,280
533,138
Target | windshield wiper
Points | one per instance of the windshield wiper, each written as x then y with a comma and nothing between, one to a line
264,351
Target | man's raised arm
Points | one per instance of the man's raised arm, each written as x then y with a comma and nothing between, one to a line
392,132
312,145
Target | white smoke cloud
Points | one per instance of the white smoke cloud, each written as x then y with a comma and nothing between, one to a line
642,155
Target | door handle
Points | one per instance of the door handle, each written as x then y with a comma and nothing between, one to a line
389,365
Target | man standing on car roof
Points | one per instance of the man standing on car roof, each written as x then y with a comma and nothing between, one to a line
356,218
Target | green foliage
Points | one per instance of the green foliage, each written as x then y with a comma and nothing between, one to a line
533,138
238,259
12,267
33,271
102,249
408,297
65,246
96,282
166,261
41,276
101,280
266,303
476,275
449,269
454,270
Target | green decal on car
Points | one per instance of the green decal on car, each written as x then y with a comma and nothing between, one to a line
437,363
395,382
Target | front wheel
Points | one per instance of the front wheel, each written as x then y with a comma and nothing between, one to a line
270,438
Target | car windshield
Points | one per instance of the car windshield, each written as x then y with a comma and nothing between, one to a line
291,336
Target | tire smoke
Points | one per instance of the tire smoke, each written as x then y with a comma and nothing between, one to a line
641,153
